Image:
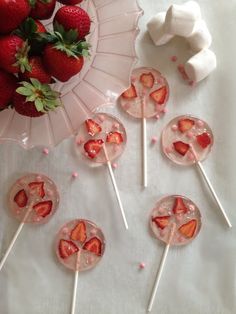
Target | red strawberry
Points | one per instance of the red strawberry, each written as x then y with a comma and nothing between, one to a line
8,85
70,1
185,125
13,54
114,137
21,198
179,206
94,245
93,147
37,71
188,229
159,95
79,232
67,248
181,147
147,80
40,27
203,140
38,188
42,9
12,13
161,222
130,93
93,127
72,17
43,209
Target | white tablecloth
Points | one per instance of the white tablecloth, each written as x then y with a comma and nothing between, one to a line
198,278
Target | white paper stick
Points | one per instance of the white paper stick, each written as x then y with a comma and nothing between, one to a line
144,141
161,267
73,305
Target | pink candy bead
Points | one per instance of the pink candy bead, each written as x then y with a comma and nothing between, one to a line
157,117
154,140
114,165
75,175
142,265
190,134
45,151
164,110
174,127
199,123
173,58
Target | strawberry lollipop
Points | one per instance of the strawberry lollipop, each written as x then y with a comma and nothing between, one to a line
101,140
33,199
187,140
146,98
175,220
80,245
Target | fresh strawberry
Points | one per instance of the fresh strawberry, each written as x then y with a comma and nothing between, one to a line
93,147
147,80
92,127
159,95
68,2
43,209
21,198
179,206
79,232
34,99
38,188
114,137
42,9
12,13
40,27
185,125
203,139
94,245
72,17
161,221
181,147
37,71
67,248
130,93
8,83
188,229
14,54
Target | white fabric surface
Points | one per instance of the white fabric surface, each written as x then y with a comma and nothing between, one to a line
199,278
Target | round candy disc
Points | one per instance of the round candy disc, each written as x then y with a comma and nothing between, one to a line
148,94
177,211
35,191
181,134
80,245
101,138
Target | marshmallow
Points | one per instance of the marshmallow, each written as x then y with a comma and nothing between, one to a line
156,29
180,19
201,37
200,65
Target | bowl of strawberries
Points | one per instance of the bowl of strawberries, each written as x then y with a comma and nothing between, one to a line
60,60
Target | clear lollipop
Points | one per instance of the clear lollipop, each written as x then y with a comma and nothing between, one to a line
146,98
175,220
80,245
187,140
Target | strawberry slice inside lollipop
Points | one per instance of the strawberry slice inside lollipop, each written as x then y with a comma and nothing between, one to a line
93,147
79,232
130,93
37,188
67,248
179,206
159,95
94,245
185,125
21,198
188,229
181,147
147,80
161,221
204,140
92,127
114,137
43,209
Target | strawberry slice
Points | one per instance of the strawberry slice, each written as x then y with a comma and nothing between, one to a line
93,127
181,147
179,206
79,232
43,208
114,137
188,229
185,125
204,140
38,188
130,93
21,198
93,147
147,80
94,245
67,248
159,95
161,221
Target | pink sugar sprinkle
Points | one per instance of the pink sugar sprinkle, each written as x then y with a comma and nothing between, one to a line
199,123
191,207
65,230
192,83
190,134
114,165
164,110
101,117
174,58
157,117
142,265
93,231
115,125
174,127
154,140
181,68
168,150
75,175
45,151
80,141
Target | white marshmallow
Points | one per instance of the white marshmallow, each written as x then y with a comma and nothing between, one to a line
156,29
201,37
200,65
180,19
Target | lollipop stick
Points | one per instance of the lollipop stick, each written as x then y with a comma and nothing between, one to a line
160,270
144,141
73,306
